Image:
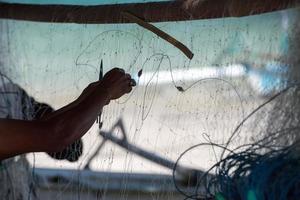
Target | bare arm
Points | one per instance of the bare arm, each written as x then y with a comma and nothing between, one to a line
65,125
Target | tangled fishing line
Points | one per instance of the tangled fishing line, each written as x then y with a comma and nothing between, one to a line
262,170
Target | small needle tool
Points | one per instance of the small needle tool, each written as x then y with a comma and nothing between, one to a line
99,121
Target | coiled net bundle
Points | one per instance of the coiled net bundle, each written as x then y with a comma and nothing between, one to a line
268,168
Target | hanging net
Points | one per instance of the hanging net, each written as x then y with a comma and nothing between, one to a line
223,125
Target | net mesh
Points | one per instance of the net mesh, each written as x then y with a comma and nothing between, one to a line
240,88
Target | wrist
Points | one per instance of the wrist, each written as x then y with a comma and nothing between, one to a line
104,93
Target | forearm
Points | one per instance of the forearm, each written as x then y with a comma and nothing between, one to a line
88,91
74,120
56,131
20,136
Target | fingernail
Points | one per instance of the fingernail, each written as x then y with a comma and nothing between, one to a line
132,82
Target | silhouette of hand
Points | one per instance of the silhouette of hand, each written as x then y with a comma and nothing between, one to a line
117,83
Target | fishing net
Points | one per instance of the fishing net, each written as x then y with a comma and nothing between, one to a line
223,124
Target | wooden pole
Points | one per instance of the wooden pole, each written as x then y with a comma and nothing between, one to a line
180,10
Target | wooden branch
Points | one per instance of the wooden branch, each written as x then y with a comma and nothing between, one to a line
159,33
179,10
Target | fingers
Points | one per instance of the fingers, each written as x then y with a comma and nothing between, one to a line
132,82
117,82
127,76
117,71
127,89
121,70
127,83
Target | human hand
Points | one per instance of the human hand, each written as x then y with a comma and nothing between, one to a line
117,83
